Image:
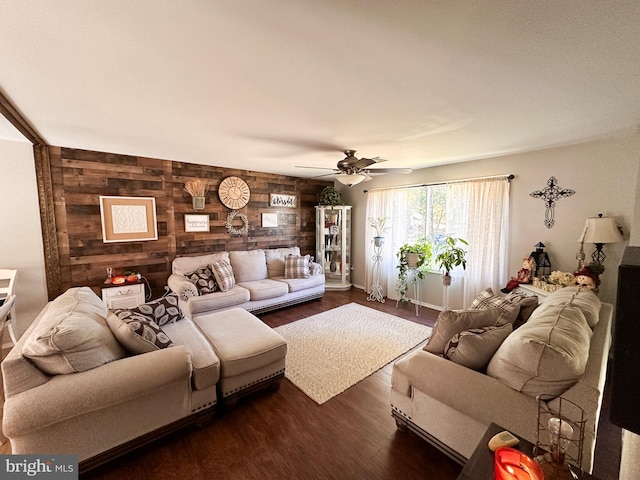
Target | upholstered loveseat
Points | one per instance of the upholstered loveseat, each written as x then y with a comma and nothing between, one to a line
255,280
96,383
559,354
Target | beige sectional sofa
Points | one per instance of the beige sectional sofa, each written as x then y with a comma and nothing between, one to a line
561,352
261,281
97,383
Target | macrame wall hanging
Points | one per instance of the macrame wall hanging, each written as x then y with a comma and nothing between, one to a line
550,194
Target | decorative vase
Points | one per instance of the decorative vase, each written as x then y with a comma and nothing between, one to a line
333,266
198,203
412,260
377,241
446,280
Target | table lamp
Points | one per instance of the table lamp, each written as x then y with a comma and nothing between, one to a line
598,230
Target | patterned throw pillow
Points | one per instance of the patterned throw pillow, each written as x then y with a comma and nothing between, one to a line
224,274
296,266
474,348
137,332
487,299
204,280
162,311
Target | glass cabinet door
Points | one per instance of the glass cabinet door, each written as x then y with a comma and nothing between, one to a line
333,241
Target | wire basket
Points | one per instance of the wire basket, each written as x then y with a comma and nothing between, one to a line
560,439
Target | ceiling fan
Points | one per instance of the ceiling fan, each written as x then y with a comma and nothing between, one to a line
352,170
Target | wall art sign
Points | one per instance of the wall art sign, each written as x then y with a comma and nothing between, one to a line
550,194
128,219
269,220
196,223
281,200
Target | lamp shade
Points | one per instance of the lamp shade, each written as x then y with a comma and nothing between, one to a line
350,179
600,230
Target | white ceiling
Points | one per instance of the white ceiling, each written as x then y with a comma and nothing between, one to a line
266,85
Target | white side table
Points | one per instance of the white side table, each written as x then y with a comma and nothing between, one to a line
123,296
533,291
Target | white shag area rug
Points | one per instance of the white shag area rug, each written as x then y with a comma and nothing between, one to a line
331,351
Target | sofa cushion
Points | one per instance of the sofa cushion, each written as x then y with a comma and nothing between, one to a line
275,260
224,275
583,298
474,348
204,280
264,289
297,284
206,365
137,332
296,266
249,265
487,299
162,311
184,265
73,336
218,300
549,353
451,322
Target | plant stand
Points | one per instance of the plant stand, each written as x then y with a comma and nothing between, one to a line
415,279
375,293
446,282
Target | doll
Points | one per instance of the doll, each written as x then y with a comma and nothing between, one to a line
524,275
587,279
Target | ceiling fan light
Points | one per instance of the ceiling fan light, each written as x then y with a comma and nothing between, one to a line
350,179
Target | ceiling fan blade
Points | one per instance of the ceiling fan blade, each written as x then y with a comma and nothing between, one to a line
388,170
366,162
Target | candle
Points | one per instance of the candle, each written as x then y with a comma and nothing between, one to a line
512,464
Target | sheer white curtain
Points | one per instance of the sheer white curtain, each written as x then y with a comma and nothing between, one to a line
386,204
476,210
482,218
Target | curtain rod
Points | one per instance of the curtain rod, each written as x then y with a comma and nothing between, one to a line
509,177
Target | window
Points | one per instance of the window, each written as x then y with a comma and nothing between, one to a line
475,210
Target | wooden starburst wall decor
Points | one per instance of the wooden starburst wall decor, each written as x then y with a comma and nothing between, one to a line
550,194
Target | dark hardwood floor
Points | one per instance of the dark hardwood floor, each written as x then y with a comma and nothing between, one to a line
286,435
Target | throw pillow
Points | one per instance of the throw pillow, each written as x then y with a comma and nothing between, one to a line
296,266
487,299
527,303
474,348
451,322
137,332
204,280
162,311
72,335
224,274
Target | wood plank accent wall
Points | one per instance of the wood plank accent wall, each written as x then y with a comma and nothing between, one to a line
79,177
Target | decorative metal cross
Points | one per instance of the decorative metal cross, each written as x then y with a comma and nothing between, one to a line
550,194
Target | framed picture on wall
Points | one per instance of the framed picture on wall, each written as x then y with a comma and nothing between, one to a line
196,223
281,200
269,220
128,219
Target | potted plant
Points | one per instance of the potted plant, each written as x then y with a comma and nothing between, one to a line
414,257
330,196
198,190
450,255
378,226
